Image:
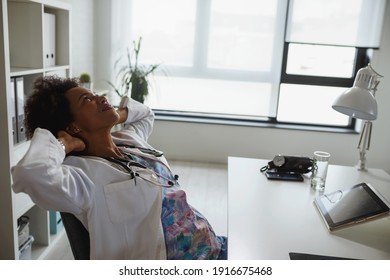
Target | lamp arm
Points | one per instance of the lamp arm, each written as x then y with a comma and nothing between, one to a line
364,145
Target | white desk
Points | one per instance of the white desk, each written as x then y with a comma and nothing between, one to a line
269,219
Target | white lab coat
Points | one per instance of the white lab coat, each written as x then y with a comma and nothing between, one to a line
123,216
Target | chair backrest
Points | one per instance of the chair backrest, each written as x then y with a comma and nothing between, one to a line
78,236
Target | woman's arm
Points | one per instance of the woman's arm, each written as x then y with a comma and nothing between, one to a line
137,117
49,183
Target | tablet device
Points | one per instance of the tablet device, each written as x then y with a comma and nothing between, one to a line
351,206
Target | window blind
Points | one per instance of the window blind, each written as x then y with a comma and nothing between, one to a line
355,23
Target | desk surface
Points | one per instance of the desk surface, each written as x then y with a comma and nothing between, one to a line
269,219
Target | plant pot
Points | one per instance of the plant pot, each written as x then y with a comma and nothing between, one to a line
86,85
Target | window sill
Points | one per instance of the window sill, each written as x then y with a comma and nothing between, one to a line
245,121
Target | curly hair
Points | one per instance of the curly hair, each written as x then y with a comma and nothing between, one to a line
47,107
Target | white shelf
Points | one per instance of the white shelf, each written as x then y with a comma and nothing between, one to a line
57,68
23,56
20,71
25,71
39,252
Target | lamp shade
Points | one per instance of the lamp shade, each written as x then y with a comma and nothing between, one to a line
359,101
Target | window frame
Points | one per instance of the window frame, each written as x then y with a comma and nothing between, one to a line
361,60
199,70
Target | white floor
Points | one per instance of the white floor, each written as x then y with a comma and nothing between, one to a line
206,187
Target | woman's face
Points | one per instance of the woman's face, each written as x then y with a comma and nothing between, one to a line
90,111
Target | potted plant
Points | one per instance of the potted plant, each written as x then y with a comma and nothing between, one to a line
133,77
85,80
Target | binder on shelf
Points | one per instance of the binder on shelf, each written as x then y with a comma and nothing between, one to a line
55,222
49,40
13,112
19,98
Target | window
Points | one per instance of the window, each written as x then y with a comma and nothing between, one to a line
312,78
270,61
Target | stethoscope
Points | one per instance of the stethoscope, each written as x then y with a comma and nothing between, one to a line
128,163
152,152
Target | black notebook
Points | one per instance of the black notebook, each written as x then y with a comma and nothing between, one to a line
350,206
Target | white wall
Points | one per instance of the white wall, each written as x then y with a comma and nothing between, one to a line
215,143
191,141
82,37
91,40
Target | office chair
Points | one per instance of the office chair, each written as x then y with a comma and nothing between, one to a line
78,236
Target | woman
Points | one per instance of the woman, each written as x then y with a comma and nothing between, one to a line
115,183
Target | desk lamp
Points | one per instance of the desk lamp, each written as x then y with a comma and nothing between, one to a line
359,102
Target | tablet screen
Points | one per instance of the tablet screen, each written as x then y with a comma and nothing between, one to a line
351,205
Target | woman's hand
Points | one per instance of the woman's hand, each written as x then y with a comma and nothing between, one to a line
122,112
71,143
